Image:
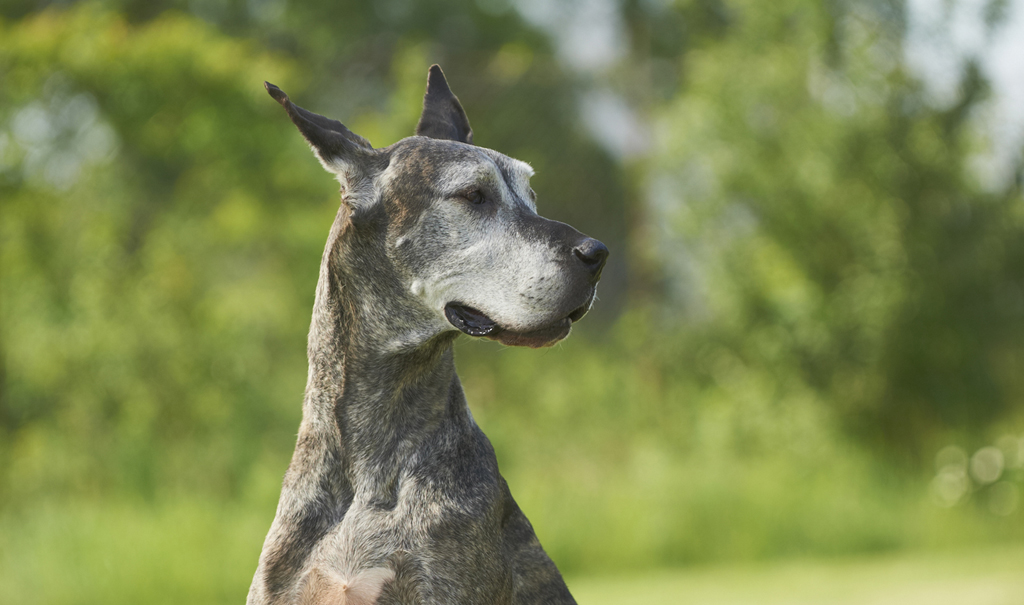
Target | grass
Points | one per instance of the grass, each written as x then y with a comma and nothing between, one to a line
192,551
991,576
113,553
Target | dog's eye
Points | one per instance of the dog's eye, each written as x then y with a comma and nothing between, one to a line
475,197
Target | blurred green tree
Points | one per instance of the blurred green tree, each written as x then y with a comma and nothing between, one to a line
817,217
151,204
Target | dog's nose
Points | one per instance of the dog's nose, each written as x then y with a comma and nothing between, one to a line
593,254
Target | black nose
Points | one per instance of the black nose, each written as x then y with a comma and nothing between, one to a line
593,254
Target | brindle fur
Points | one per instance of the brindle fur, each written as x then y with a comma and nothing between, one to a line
393,494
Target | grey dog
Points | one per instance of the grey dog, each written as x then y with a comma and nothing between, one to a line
393,494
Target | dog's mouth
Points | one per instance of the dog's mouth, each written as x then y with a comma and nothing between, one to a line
474,323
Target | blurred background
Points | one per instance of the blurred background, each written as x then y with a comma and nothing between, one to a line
803,381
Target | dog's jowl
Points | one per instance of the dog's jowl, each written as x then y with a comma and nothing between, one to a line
393,494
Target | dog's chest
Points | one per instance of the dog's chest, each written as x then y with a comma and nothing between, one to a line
430,538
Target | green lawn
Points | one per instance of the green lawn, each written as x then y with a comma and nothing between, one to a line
201,553
993,576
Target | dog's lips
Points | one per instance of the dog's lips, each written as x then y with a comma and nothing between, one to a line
474,323
580,312
469,320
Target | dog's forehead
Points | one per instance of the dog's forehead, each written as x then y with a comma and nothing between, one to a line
450,165
512,170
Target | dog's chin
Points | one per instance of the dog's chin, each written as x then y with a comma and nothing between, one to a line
474,323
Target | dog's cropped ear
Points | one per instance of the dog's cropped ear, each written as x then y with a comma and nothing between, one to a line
443,116
341,151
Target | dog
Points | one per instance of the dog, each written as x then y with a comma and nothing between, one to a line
393,494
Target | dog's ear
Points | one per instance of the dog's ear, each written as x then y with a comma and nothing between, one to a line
443,116
341,151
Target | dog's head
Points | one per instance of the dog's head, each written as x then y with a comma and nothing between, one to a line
459,226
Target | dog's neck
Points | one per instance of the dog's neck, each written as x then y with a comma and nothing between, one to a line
380,383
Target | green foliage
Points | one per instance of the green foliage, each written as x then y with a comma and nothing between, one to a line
824,224
151,287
